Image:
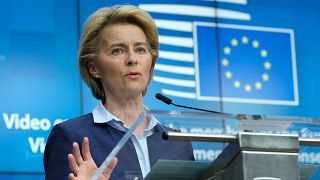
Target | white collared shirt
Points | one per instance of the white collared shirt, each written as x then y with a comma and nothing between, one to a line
102,115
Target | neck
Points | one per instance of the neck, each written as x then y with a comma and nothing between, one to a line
127,109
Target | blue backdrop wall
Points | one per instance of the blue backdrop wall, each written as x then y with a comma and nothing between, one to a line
239,56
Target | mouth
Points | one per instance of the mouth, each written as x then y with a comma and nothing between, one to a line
133,75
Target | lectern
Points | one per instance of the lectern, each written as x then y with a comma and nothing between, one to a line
257,147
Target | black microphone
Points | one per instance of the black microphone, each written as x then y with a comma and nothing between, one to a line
169,101
164,98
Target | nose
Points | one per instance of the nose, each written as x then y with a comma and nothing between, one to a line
131,59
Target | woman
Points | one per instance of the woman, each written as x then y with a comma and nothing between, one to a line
118,51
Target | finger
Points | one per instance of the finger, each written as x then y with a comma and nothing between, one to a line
108,170
71,177
76,153
113,163
86,149
72,163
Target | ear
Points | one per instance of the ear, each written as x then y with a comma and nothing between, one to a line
92,67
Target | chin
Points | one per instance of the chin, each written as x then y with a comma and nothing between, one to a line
135,91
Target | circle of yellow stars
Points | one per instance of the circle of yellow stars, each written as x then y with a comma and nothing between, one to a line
225,62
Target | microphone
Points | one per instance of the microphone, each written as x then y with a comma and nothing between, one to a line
169,101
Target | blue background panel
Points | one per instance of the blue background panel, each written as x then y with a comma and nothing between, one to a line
40,82
38,76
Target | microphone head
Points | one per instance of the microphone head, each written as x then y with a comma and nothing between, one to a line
163,98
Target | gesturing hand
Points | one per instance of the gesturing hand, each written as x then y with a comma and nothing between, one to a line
83,167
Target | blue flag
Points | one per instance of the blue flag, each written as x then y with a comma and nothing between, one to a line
255,64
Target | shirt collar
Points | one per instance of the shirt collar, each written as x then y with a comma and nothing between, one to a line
102,115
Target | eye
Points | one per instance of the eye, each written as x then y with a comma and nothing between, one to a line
117,51
141,50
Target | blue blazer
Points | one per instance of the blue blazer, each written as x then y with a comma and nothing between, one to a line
103,139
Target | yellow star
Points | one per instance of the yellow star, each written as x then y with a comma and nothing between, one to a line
247,88
255,44
267,65
236,84
264,53
265,77
234,42
225,62
227,50
228,74
244,40
258,85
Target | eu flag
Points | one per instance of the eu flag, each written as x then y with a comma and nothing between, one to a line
256,64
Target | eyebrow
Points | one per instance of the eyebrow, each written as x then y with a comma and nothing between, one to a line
140,43
124,45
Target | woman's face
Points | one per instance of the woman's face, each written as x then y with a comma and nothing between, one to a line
124,61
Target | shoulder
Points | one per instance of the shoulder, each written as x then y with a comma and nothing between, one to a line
174,149
163,128
72,128
171,129
86,119
59,144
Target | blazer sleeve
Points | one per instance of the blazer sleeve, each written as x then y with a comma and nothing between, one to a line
189,150
58,146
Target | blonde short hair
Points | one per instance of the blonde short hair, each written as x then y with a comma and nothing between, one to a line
91,39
